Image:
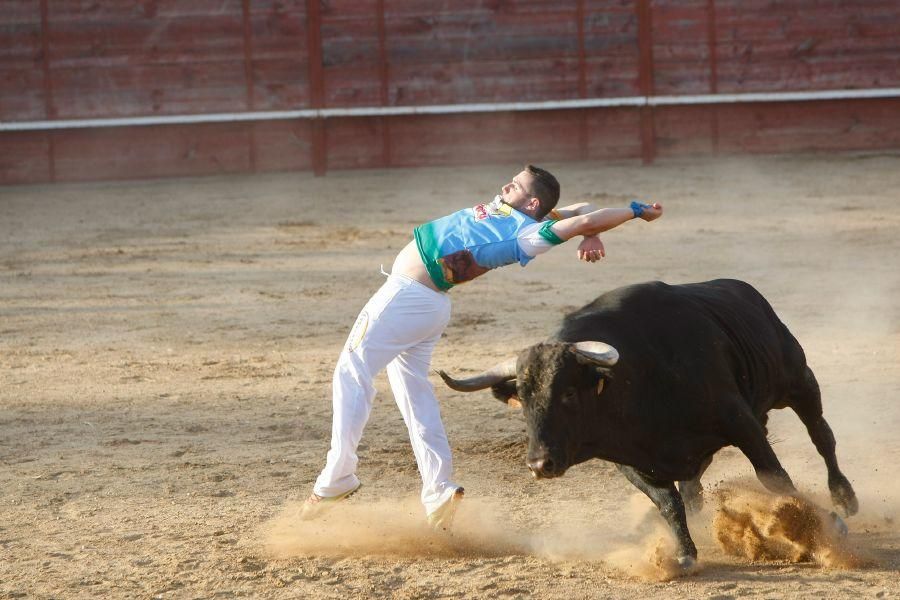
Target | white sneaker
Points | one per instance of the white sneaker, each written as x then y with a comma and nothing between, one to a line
315,506
442,518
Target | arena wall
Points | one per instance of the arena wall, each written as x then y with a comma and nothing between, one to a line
71,60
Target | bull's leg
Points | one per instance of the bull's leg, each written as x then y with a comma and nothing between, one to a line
748,434
671,507
692,490
807,403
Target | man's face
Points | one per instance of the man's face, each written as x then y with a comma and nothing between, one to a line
518,193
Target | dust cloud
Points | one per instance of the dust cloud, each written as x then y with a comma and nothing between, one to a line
742,521
635,543
764,527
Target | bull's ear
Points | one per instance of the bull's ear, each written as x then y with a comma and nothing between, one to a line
604,372
506,392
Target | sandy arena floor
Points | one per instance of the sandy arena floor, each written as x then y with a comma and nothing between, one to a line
166,350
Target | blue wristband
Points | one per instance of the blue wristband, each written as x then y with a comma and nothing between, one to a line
637,208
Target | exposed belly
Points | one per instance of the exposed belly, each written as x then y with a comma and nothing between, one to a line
409,263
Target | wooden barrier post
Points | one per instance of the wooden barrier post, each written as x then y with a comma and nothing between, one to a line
248,77
645,79
49,107
583,139
316,84
383,75
713,70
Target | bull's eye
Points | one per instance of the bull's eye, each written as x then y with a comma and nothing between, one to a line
569,396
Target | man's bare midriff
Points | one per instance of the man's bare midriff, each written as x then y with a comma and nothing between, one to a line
409,263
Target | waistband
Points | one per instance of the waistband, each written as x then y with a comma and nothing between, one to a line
410,282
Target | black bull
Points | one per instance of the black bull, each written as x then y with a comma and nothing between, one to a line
657,378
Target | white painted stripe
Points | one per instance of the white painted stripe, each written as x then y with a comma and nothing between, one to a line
448,109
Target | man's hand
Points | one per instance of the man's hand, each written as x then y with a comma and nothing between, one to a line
652,212
591,249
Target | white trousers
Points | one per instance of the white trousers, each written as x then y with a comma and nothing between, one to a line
398,329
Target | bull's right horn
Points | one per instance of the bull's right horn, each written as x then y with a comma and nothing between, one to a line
499,373
598,353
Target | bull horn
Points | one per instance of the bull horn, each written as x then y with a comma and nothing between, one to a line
598,353
499,373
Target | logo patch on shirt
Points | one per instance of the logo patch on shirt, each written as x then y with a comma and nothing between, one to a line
501,209
494,209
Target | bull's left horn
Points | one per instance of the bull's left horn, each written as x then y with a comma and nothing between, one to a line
598,353
499,373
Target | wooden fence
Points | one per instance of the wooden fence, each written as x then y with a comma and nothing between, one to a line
66,61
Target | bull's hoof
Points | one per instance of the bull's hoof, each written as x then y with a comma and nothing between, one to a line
686,564
843,497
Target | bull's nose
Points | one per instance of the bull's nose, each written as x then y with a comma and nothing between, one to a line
541,467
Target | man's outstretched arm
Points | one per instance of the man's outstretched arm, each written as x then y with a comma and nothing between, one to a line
604,219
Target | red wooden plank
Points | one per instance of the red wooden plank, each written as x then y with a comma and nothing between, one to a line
611,77
24,157
336,10
824,48
93,11
799,75
352,85
540,79
283,145
355,143
279,34
682,23
148,90
22,94
280,84
145,42
683,130
349,51
138,152
816,126
493,82
682,77
467,7
20,34
498,137
612,133
17,13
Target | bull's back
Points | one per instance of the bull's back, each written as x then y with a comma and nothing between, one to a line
673,322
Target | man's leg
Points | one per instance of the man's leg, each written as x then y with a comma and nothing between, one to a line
397,317
408,375
371,345
353,393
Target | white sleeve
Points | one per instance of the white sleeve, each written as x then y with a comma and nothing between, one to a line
531,242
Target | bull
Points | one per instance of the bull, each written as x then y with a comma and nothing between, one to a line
657,378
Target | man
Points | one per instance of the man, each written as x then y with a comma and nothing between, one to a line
400,325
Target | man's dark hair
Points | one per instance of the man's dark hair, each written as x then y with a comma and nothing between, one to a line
545,189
